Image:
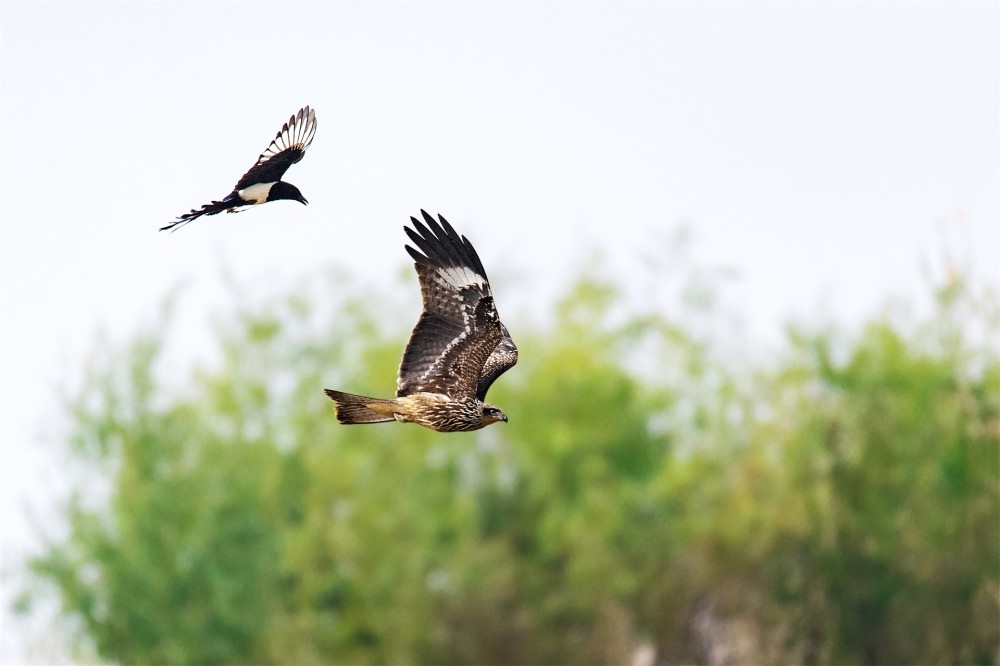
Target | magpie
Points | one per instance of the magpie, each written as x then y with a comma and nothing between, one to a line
262,183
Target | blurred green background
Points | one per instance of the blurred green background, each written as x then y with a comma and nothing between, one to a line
664,492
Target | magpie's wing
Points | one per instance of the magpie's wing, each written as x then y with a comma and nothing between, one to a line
231,201
459,327
287,148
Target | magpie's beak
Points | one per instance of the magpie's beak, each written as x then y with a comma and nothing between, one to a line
303,201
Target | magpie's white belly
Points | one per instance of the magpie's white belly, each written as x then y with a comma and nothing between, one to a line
256,194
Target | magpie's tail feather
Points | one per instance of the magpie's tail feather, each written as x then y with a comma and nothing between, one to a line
208,209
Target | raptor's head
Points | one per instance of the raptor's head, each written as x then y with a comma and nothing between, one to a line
283,190
492,414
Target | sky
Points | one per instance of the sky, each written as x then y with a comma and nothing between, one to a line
826,151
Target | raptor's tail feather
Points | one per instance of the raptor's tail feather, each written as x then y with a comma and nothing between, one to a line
360,409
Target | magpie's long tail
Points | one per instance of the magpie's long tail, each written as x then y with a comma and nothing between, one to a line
359,409
208,209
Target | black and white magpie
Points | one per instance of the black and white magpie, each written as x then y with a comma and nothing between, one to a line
262,183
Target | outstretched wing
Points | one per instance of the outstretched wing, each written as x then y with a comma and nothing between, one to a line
459,327
502,359
287,148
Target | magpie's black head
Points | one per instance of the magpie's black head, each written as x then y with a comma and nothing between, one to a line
283,190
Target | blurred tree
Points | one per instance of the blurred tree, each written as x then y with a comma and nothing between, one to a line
839,504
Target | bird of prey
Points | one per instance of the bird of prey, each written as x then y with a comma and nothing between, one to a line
457,349
262,183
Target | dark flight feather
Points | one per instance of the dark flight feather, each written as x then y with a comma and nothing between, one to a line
287,148
459,327
502,359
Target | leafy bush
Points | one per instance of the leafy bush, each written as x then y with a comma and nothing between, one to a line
837,503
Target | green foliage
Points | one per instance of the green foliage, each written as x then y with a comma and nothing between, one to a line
837,505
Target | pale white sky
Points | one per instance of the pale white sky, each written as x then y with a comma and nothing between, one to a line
822,149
